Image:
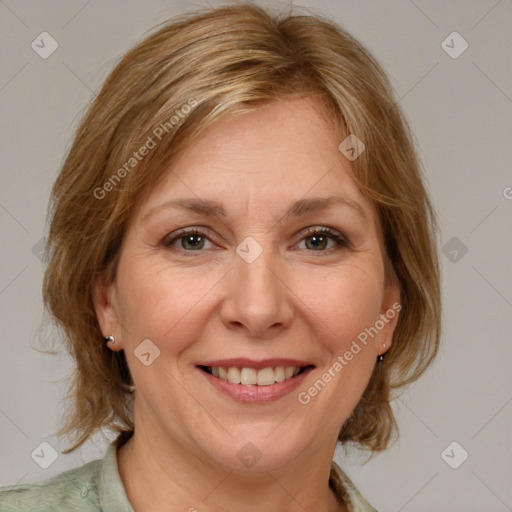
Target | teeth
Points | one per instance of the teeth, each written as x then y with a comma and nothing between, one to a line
248,376
251,376
265,377
279,375
234,375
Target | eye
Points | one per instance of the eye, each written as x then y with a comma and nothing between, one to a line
189,240
317,239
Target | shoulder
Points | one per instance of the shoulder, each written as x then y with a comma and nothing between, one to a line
71,491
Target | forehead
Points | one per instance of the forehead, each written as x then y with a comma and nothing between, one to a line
274,155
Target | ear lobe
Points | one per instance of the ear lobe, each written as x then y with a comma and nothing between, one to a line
104,305
391,307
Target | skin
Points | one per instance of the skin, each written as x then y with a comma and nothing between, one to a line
292,301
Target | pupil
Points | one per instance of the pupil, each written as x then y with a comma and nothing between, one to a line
318,239
189,240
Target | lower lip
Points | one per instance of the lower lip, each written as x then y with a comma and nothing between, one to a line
257,394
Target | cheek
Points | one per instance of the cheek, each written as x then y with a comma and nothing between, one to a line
157,301
348,303
343,304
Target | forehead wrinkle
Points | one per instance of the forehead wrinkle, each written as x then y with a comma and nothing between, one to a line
299,208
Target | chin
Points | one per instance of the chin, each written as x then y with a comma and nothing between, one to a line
256,448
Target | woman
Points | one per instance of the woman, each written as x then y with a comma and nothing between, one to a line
242,256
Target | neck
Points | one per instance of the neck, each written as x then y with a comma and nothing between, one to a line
160,476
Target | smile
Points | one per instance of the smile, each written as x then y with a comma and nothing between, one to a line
252,376
246,380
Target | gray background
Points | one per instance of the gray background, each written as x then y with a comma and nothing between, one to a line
460,110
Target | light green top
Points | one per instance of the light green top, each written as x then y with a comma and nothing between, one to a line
97,487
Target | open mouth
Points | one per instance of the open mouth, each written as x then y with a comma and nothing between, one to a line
253,377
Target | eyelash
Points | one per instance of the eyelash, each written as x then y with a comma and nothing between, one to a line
340,240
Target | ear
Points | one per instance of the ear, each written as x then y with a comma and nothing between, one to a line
391,307
105,304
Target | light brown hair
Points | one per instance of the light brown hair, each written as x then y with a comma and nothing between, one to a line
220,62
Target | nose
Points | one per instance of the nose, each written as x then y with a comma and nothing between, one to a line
258,299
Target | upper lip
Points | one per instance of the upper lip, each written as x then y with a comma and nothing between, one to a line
243,362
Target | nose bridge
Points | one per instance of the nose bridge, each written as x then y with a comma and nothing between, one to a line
257,297
254,264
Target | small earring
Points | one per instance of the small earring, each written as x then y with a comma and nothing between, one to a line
106,339
381,356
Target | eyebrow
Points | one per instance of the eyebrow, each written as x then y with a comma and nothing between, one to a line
299,208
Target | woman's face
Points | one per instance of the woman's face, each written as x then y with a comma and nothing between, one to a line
224,269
